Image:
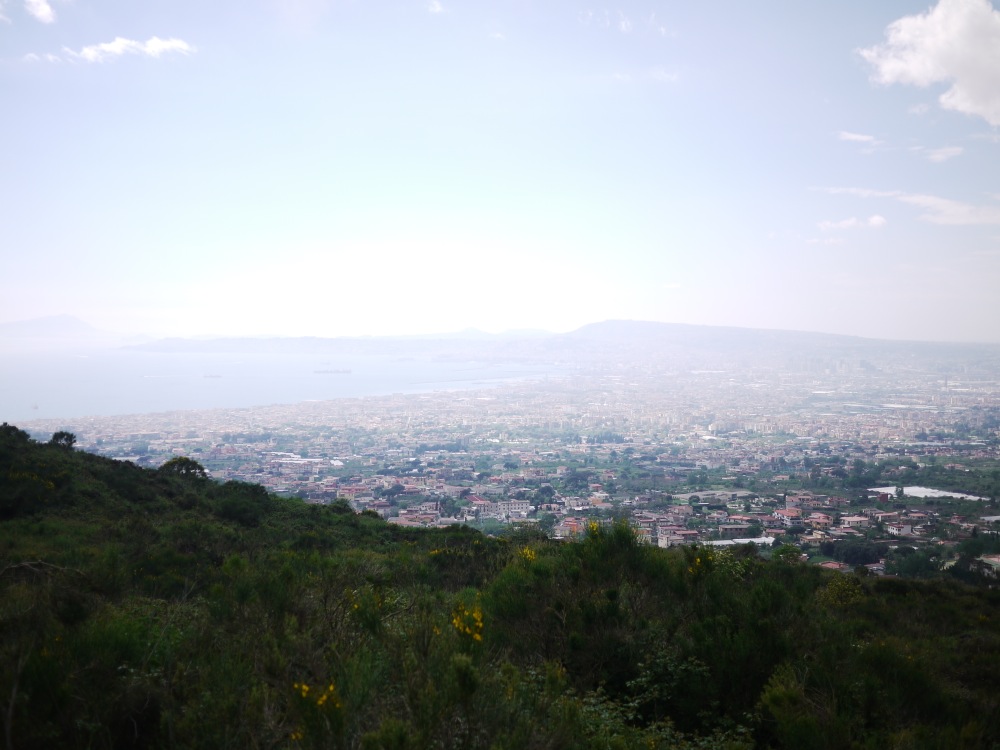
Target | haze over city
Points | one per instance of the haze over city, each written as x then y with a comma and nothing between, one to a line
333,168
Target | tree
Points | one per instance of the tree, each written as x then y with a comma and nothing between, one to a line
183,466
788,553
63,439
858,553
11,435
909,563
546,522
449,506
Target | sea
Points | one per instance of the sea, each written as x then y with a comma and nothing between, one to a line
46,385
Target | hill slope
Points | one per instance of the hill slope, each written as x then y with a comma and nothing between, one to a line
160,609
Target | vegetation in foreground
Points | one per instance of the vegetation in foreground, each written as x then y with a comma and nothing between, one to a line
152,609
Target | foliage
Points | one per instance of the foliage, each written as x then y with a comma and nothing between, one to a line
63,439
183,466
160,609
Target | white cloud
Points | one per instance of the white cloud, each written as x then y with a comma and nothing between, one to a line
663,75
656,25
862,192
153,47
156,46
953,213
938,155
498,36
874,222
993,137
826,226
32,57
856,137
41,10
936,210
955,42
624,24
435,7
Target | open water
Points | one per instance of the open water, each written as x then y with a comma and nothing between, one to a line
105,383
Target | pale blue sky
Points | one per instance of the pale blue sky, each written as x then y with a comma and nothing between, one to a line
329,168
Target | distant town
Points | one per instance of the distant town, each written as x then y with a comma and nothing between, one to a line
850,462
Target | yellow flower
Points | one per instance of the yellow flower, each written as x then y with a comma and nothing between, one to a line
468,621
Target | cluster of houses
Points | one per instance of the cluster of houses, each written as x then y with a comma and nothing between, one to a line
429,513
826,524
988,565
812,518
717,518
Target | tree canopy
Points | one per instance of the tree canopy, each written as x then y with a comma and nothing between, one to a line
63,439
183,466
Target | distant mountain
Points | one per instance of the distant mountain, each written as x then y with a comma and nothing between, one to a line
471,340
52,326
616,333
646,330
467,334
619,344
55,333
637,342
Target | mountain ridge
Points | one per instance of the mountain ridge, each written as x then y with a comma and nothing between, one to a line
612,329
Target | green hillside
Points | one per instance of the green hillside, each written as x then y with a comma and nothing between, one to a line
152,609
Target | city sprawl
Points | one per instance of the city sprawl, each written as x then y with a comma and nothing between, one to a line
813,450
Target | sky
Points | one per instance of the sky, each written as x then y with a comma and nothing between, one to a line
329,168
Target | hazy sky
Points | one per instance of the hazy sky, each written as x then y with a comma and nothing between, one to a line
320,167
